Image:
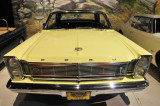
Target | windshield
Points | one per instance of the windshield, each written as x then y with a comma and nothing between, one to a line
158,25
76,20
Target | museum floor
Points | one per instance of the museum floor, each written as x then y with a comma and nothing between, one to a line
148,97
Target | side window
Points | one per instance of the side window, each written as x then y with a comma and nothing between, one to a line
52,21
144,24
150,25
103,20
134,22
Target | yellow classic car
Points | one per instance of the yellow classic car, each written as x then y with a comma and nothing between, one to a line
77,55
144,30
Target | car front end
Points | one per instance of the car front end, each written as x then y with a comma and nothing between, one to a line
84,79
77,63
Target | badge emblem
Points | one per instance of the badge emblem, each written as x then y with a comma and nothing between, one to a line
78,49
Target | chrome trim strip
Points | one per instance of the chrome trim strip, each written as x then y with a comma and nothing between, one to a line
53,88
63,93
117,63
86,78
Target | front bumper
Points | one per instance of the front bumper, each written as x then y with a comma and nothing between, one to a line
61,89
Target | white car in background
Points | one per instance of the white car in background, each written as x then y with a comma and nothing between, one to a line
145,31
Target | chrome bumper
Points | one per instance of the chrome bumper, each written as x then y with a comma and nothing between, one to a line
61,90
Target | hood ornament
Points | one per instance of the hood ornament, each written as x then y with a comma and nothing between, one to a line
78,49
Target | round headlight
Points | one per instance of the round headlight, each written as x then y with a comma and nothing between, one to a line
138,72
142,66
14,68
13,62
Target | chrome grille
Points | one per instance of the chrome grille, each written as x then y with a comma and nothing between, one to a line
88,70
54,71
109,70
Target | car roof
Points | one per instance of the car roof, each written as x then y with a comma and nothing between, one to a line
149,15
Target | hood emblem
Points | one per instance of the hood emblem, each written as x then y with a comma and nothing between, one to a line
78,49
114,59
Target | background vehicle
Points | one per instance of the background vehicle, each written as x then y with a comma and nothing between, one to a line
10,38
145,31
77,55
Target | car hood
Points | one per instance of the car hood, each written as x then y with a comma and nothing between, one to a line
76,46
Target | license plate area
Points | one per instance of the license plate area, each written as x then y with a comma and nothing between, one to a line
78,95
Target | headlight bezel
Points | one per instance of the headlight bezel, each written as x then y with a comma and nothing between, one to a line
142,65
16,71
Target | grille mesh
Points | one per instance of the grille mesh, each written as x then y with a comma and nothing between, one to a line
77,70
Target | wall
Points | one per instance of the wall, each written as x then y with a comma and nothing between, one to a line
117,10
6,13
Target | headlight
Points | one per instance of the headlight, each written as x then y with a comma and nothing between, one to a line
14,68
142,66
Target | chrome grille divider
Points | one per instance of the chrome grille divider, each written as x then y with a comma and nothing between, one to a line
78,69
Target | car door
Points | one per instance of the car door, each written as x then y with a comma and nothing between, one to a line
142,31
128,27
